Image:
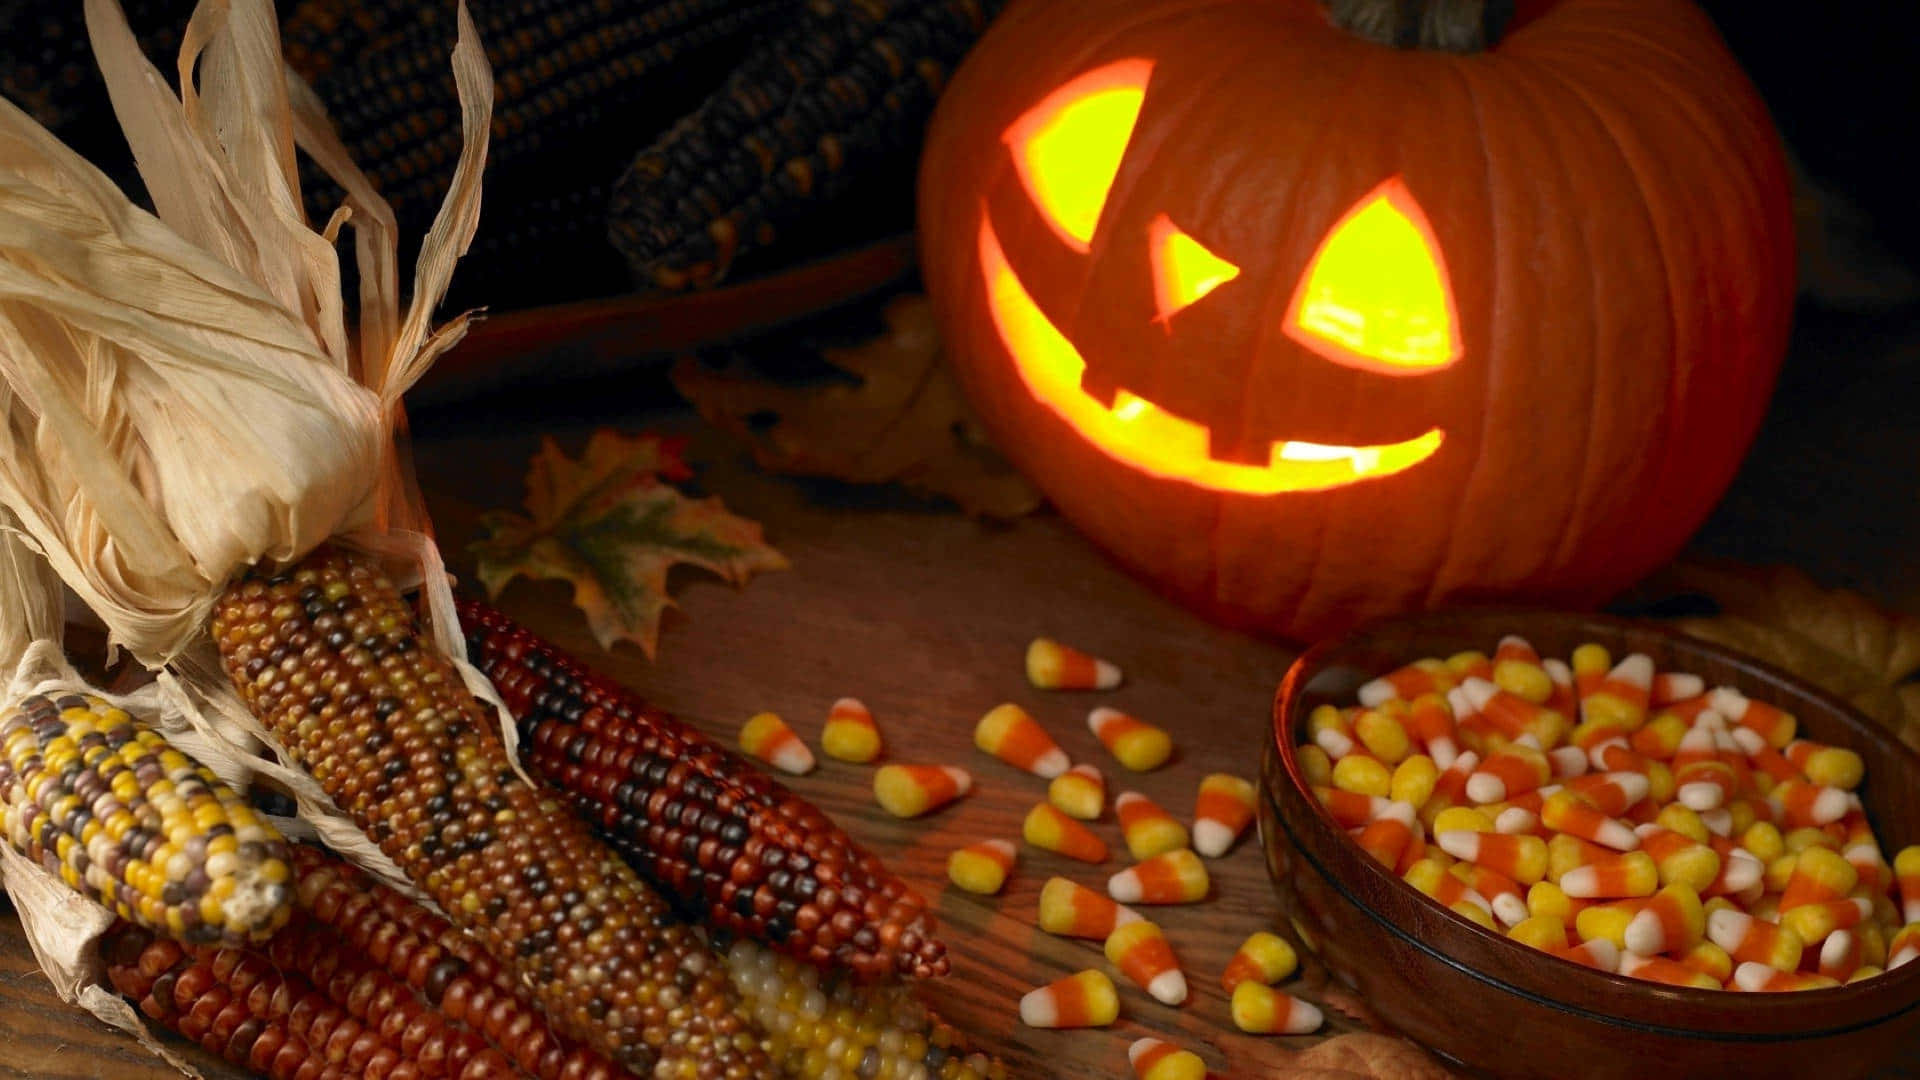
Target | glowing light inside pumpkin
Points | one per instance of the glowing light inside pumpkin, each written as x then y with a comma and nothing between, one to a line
1183,269
1068,148
1138,433
1376,295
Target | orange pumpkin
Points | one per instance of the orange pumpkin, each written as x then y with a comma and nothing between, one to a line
1308,328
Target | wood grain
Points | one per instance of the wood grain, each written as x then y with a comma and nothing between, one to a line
925,616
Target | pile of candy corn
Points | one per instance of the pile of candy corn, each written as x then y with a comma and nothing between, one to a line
1628,819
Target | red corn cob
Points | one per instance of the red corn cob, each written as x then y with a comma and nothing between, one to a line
732,846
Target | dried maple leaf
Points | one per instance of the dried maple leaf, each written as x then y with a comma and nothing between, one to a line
902,419
1834,638
1363,1055
612,526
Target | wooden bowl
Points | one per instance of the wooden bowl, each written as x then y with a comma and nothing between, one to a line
1497,1007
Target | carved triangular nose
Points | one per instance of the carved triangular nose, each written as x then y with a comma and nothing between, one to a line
1376,294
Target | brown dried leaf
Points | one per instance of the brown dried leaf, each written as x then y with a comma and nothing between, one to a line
610,525
904,421
1364,1056
1834,638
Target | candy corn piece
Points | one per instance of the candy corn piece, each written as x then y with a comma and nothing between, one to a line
1387,836
1681,858
1071,910
1148,830
1009,733
1797,804
1906,870
1671,686
1748,939
1826,766
1904,946
1563,699
1759,978
1259,1009
1431,721
1141,953
850,733
1563,811
1671,922
1348,809
1813,922
1544,932
1221,813
1079,792
1633,874
1501,892
1610,792
1708,959
1420,677
1662,970
768,738
1048,829
1053,666
1086,999
1773,723
1819,874
983,867
1522,858
1177,877
907,791
1135,743
1508,772
1598,954
1155,1059
1264,957
1840,955
1517,670
1621,696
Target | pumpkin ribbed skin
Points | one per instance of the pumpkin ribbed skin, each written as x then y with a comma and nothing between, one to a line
1612,206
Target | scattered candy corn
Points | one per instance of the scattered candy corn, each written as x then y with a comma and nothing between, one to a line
1009,733
1086,999
768,738
1048,829
1154,1059
850,733
1147,829
983,867
1079,792
907,791
1177,877
1265,957
1053,666
1221,812
1259,1009
1071,910
1141,953
1134,743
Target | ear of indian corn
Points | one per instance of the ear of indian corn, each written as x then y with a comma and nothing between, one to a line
328,657
734,847
127,820
823,1027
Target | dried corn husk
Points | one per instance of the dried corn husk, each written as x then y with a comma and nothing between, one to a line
182,397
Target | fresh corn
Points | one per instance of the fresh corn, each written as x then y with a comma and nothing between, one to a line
828,1027
839,89
124,818
328,657
737,849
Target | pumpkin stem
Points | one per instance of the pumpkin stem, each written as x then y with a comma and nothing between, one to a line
1460,26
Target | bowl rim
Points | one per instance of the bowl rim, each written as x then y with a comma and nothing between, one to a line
1897,992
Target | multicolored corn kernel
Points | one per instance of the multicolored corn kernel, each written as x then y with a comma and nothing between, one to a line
983,867
1264,956
1080,792
1259,1009
1011,734
1147,829
850,733
767,737
1134,743
732,846
1221,812
1085,999
827,1027
105,803
908,791
1048,829
327,655
1072,910
1141,952
1155,1059
1054,666
1177,877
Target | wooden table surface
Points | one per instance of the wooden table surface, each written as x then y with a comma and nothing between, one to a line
924,615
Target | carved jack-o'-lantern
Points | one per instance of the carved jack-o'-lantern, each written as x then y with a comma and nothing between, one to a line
1306,328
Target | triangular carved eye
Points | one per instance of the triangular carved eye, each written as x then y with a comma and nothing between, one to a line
1068,148
1376,295
1183,269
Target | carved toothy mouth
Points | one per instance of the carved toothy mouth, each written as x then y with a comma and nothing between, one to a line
1141,434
